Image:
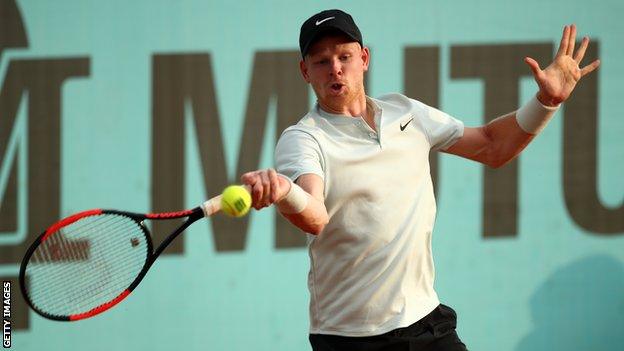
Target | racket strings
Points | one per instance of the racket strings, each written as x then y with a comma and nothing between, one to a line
65,249
101,278
86,264
96,290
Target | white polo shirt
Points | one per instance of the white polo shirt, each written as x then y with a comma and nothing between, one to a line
371,268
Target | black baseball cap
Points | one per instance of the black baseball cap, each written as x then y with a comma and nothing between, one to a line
327,21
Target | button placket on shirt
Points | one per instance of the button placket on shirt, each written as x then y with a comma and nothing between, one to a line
366,129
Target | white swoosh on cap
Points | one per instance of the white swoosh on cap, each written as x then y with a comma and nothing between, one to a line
323,20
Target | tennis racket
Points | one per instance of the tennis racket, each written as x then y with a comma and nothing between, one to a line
88,262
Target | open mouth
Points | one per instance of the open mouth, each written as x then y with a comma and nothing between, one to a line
337,87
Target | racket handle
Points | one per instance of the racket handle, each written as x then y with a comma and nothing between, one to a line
213,205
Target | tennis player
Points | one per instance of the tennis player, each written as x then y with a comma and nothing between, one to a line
354,174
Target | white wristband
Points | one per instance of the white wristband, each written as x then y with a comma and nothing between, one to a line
534,116
295,201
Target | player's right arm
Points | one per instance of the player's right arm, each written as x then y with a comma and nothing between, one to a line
301,202
314,216
299,190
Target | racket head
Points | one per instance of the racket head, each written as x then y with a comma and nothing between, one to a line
85,264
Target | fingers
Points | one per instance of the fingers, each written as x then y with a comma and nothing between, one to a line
253,180
580,53
581,50
248,178
274,185
571,40
534,66
264,186
563,45
589,68
256,190
566,47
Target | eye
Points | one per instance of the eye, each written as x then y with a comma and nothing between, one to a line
345,57
322,62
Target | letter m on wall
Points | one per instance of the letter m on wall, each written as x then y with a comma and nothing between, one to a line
182,81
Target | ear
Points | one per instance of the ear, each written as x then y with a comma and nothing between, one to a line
304,71
365,58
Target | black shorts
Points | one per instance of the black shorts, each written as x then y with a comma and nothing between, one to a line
434,332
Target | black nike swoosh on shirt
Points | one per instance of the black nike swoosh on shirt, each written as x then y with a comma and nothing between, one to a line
403,126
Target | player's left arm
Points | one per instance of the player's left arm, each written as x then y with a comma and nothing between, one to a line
502,139
493,144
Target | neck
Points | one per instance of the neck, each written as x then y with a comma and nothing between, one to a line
355,107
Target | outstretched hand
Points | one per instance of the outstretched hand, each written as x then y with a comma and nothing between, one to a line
557,81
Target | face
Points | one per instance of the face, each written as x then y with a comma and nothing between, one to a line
335,67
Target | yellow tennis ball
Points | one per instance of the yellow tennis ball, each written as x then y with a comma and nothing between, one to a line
235,201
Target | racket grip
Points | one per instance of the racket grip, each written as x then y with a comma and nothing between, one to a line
213,205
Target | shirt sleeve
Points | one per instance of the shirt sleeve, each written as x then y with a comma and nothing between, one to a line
442,129
298,153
